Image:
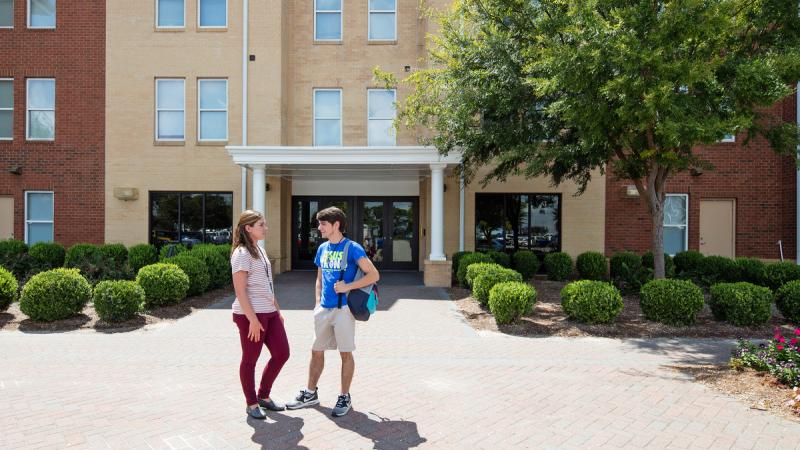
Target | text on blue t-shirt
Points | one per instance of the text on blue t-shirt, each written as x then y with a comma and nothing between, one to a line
329,260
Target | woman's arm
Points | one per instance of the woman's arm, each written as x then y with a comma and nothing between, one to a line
240,287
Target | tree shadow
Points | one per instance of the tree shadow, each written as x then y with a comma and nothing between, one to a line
57,326
384,433
279,431
5,318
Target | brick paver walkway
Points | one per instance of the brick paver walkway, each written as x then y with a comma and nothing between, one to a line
424,378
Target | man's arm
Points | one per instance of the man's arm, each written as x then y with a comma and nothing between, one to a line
371,276
318,288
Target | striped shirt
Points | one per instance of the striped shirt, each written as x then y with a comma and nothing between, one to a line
259,280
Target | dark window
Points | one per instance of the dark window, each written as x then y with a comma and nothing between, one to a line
510,222
190,217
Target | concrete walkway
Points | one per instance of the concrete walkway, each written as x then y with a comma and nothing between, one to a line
424,378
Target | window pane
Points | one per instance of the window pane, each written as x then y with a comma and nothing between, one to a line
164,218
219,218
191,219
544,234
329,5
170,125
41,94
381,132
327,132
40,206
489,221
40,232
675,210
213,94
329,26
674,240
43,13
214,125
381,26
382,4
381,104
6,124
6,13
170,13
522,232
213,13
6,94
327,104
42,125
170,94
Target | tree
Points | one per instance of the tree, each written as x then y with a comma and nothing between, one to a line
561,88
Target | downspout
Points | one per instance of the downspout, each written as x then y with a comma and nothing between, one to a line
461,214
797,184
245,56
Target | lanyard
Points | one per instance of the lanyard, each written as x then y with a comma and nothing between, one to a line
266,270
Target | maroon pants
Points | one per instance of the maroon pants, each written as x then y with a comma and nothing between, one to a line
274,337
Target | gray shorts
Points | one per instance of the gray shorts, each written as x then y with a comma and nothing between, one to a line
334,328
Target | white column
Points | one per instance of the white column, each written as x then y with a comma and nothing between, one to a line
437,212
259,190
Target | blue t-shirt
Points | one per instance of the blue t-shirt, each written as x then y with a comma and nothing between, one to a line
329,259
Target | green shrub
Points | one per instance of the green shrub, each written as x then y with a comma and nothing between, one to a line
688,263
196,269
787,299
718,269
171,250
526,263
55,294
225,251
142,255
117,301
502,258
8,289
511,299
14,257
627,272
485,281
558,266
80,253
93,263
218,271
591,266
752,270
116,253
778,274
674,302
591,301
163,284
669,264
46,255
480,268
466,260
456,258
742,304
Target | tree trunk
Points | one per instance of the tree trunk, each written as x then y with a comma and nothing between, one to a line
657,215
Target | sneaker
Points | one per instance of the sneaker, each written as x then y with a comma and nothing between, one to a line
343,405
256,413
271,405
304,399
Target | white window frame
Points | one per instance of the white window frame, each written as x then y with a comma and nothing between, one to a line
729,138
394,102
28,110
28,221
381,11
208,27
10,138
173,27
12,18
200,111
182,110
686,225
55,19
340,11
314,116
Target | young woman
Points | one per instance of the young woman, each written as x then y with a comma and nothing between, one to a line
256,313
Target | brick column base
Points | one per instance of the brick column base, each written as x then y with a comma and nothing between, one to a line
438,273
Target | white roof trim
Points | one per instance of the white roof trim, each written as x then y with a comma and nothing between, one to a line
346,156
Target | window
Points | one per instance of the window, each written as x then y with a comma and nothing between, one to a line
213,110
41,13
41,104
213,13
381,114
327,117
170,13
191,217
382,20
38,217
729,138
170,109
6,109
6,13
676,223
327,20
511,222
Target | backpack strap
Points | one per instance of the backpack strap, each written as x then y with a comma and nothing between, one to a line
343,268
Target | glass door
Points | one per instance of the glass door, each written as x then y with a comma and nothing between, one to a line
306,237
388,232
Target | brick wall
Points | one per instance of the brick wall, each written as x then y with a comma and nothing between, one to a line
73,164
761,182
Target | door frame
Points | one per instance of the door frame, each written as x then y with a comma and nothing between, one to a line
733,202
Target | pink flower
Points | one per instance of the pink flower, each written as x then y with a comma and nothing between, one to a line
780,347
797,331
793,341
781,339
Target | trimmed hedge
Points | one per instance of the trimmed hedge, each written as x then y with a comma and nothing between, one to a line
118,301
117,253
8,289
688,263
47,255
171,250
526,263
14,257
752,270
485,281
778,274
787,299
93,263
142,255
627,272
591,301
511,299
480,268
456,258
502,258
591,266
196,269
218,271
718,269
558,266
466,260
674,302
669,264
163,284
79,254
742,304
55,294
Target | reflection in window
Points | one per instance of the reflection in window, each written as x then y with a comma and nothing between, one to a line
510,222
675,223
190,218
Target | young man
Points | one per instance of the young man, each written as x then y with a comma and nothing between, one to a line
334,325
